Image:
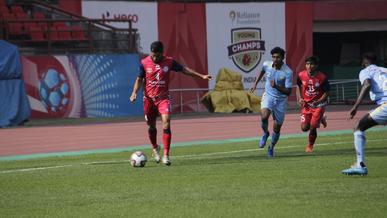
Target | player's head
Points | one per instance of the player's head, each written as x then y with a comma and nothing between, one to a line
157,50
277,54
311,64
368,59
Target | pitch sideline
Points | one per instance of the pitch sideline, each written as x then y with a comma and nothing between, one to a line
195,156
190,143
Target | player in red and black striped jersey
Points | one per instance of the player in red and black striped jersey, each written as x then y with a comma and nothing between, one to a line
312,92
154,74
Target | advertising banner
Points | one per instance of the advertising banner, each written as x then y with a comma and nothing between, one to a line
81,85
241,35
142,14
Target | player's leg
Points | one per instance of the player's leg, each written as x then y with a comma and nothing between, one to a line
324,121
316,116
164,110
265,114
378,116
311,140
151,112
266,104
274,138
278,113
359,168
306,117
359,136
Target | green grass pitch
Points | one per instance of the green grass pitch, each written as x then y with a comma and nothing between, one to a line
214,180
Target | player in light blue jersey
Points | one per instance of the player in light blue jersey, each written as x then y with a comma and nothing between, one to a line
374,81
278,86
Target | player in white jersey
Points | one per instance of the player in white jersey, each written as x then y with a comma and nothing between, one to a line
278,87
374,81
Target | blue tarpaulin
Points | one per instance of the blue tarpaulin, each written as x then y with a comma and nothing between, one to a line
14,105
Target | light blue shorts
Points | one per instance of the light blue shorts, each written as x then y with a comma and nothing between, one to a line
277,106
380,114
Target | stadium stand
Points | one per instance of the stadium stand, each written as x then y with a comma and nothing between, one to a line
36,32
37,27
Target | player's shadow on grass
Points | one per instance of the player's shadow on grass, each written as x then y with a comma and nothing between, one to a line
236,159
281,155
149,164
380,151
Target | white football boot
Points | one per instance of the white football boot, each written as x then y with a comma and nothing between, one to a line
166,160
156,154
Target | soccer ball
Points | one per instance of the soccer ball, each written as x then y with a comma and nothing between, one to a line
138,159
54,91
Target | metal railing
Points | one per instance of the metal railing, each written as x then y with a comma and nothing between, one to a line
344,91
189,100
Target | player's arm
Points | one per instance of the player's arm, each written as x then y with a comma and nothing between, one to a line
300,100
326,87
282,89
257,80
190,72
384,70
365,88
136,87
287,89
137,83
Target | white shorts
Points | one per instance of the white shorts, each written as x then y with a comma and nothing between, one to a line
277,106
380,114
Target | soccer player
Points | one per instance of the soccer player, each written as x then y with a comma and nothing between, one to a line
154,74
373,80
312,93
278,87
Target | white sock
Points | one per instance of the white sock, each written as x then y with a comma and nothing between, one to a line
359,141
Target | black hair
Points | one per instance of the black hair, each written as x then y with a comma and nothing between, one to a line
371,57
313,59
157,46
278,50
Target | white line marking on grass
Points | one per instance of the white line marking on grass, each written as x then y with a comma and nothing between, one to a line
174,157
35,168
106,162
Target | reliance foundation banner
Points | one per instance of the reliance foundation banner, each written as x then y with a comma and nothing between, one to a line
240,37
142,14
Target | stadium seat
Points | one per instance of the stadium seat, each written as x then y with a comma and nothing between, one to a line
4,10
17,9
64,33
21,16
13,27
78,33
24,20
58,24
8,16
36,32
53,34
38,15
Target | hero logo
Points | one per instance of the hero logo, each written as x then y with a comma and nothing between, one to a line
131,17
